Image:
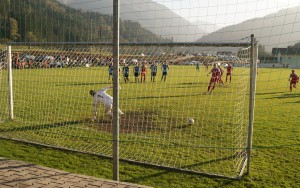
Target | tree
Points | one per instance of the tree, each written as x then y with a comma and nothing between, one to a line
30,37
4,7
262,51
297,45
14,29
48,20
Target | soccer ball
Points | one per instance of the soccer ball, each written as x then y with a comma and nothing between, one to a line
191,121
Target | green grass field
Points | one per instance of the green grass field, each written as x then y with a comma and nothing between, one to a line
53,107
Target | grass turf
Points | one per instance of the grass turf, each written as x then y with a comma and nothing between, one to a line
276,135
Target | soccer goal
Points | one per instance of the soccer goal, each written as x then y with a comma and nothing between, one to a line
170,119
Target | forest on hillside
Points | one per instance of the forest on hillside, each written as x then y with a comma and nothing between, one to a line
51,21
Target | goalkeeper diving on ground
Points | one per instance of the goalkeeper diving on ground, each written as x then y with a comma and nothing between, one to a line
102,97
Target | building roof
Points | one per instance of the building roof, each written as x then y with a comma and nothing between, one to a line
288,51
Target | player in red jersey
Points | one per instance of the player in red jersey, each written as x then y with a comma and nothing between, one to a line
214,78
221,72
294,79
143,72
228,73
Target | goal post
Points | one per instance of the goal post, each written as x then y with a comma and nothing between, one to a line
169,119
116,86
253,73
10,83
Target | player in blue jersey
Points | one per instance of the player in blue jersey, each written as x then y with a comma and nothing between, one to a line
126,73
164,68
110,70
197,66
153,69
136,72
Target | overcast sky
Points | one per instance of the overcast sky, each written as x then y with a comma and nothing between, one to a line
226,12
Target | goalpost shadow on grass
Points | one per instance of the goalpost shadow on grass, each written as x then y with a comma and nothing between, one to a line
187,171
40,127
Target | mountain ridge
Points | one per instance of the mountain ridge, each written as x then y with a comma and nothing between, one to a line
152,16
51,21
279,29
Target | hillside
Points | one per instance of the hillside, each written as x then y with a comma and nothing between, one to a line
49,20
207,26
280,29
152,16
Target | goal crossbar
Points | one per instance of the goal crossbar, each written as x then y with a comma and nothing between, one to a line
201,44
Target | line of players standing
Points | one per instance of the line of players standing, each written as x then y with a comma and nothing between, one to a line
141,71
216,73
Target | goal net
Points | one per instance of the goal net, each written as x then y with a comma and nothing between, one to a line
170,119
4,113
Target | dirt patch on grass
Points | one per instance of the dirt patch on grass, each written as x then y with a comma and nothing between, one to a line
130,122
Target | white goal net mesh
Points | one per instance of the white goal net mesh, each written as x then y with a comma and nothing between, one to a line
62,49
170,121
4,107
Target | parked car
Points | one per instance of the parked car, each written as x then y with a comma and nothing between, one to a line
190,63
26,57
3,65
49,58
44,61
56,64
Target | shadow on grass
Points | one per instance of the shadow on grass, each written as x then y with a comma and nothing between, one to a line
182,126
39,127
83,84
294,102
269,93
285,96
190,85
163,97
170,170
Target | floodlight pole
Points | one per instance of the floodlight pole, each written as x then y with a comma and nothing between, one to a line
116,41
253,72
10,83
